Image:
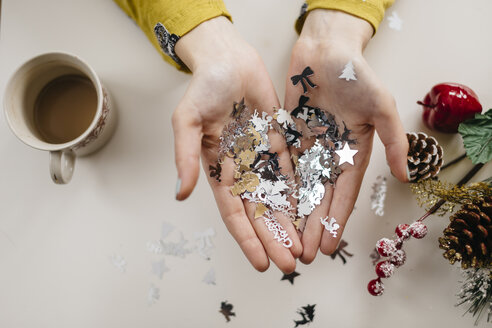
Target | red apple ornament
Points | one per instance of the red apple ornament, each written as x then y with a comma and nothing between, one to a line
449,104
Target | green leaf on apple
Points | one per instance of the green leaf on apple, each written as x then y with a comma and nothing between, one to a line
477,137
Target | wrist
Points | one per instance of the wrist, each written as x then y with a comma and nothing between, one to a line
331,27
208,43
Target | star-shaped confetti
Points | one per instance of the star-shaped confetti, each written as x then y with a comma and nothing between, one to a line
290,277
346,154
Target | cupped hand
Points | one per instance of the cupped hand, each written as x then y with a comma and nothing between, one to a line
330,40
225,70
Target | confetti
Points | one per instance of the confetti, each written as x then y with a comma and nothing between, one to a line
119,262
257,172
341,249
307,314
378,195
153,295
290,277
348,72
395,22
209,277
346,154
158,268
278,231
331,226
304,78
226,310
204,242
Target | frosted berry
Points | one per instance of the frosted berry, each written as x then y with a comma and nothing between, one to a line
403,231
398,258
385,269
375,287
418,230
386,246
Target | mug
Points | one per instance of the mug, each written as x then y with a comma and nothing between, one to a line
21,98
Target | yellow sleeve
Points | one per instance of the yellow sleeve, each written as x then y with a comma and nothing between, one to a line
370,10
165,21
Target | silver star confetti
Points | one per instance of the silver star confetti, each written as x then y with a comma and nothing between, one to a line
346,155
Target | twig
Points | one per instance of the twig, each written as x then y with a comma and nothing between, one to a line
464,180
454,161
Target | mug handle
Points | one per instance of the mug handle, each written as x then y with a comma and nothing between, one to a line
62,164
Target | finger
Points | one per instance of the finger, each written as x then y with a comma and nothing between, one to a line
311,236
277,252
235,218
343,200
187,129
390,131
262,96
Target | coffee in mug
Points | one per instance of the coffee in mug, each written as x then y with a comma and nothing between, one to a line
56,102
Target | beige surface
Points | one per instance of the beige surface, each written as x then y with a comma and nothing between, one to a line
55,240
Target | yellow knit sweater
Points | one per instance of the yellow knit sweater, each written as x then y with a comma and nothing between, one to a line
165,21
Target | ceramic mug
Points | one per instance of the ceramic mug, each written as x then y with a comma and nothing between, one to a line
22,92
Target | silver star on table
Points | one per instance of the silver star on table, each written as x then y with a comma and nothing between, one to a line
346,154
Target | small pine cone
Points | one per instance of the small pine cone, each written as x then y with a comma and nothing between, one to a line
424,156
468,238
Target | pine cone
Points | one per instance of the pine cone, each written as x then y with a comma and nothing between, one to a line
424,156
468,238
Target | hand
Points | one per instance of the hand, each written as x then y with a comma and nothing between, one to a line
329,40
225,70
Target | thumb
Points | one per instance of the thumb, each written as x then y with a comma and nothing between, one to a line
187,129
390,131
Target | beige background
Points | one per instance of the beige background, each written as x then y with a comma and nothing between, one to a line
55,241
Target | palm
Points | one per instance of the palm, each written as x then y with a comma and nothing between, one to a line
359,104
208,104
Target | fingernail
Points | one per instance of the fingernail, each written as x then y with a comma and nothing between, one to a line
178,187
408,174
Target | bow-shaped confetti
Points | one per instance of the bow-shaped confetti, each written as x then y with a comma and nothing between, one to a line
303,78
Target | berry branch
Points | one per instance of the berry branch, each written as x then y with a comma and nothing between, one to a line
392,248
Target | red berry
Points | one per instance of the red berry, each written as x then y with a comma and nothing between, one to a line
375,287
418,230
398,258
449,104
403,231
386,246
385,269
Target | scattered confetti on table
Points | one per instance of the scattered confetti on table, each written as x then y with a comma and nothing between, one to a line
378,195
226,310
341,251
158,268
395,22
153,295
119,262
290,277
209,277
307,314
